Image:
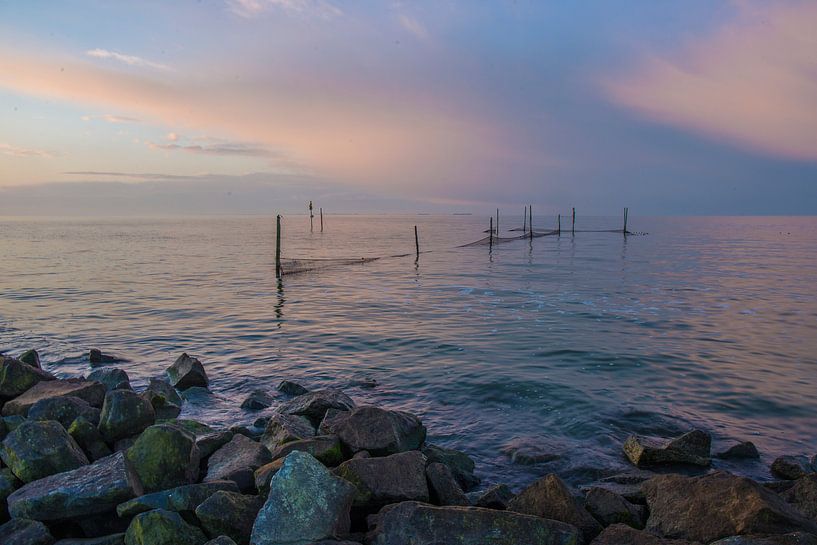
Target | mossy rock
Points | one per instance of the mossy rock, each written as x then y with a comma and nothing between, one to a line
64,410
112,378
88,438
25,532
229,514
193,426
16,377
165,456
124,414
165,399
31,357
187,372
8,484
37,449
325,448
182,499
161,527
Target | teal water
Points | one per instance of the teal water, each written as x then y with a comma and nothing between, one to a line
569,342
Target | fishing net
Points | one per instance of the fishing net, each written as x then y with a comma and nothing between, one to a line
297,266
493,239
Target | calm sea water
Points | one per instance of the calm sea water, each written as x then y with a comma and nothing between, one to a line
569,342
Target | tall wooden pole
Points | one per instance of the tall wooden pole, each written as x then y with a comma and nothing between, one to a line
573,225
321,220
530,221
278,246
497,223
625,221
417,242
559,224
525,221
491,233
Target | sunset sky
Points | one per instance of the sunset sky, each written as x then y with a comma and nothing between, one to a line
251,106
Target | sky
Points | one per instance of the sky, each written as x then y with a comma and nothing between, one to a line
257,106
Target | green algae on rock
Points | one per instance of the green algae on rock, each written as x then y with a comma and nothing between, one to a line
37,449
165,456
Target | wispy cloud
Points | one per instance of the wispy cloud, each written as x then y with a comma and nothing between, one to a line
110,118
253,8
413,26
131,60
208,145
15,151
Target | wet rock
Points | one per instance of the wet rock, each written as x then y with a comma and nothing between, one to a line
326,448
251,432
90,391
165,456
97,358
550,498
691,448
418,524
443,488
64,410
11,423
221,540
124,414
314,405
264,474
160,527
627,485
17,377
112,539
460,464
229,514
25,532
530,451
791,467
621,534
237,461
803,495
366,382
331,420
88,438
89,490
187,372
193,426
312,501
715,506
380,432
32,358
796,538
496,497
257,400
8,484
112,378
211,442
740,451
37,449
284,428
290,388
164,398
609,508
391,479
182,499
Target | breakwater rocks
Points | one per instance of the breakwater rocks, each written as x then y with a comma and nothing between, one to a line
91,461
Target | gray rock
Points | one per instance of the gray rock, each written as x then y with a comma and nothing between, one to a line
8,484
621,534
112,378
740,451
97,358
211,442
315,404
181,499
25,532
443,487
291,388
691,448
37,449
796,538
237,461
112,539
187,372
229,514
326,448
791,467
380,432
306,503
160,527
284,428
221,540
16,377
264,474
803,495
165,456
391,479
257,400
124,414
413,523
31,357
166,401
496,497
64,410
90,391
89,490
460,464
528,451
89,439
609,508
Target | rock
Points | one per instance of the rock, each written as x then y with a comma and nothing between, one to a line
740,451
803,495
529,451
165,399
609,508
160,527
221,540
87,390
496,497
330,422
25,532
88,438
717,505
460,464
187,372
125,444
796,538
791,467
112,539
11,423
443,488
326,448
314,405
291,388
229,514
284,428
211,442
32,358
89,490
193,426
97,358
17,377
380,481
182,499
237,461
64,410
621,534
124,414
413,523
263,475
691,448
112,378
8,484
37,449
550,498
306,503
164,456
257,400
380,432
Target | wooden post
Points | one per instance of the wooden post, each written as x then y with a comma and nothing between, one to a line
530,221
625,221
278,246
491,233
311,215
559,224
417,242
525,221
573,225
497,223
321,220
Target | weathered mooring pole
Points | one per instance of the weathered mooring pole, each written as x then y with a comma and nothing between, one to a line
278,246
416,242
573,225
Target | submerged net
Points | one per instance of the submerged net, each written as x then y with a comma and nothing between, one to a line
489,240
296,266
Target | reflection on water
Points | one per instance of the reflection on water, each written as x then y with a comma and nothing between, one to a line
574,341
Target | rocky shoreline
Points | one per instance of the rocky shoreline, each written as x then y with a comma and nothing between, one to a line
91,461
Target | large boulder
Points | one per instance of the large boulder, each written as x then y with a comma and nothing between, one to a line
160,527
111,539
691,448
111,377
413,523
89,439
165,456
608,508
166,401
550,498
208,443
717,505
326,448
795,538
88,390
37,449
380,432
264,474
124,414
391,479
314,405
284,428
64,410
621,534
745,450
791,467
306,503
25,532
8,484
229,514
497,496
290,388
237,461
16,377
444,488
90,490
182,499
803,495
187,372
460,464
